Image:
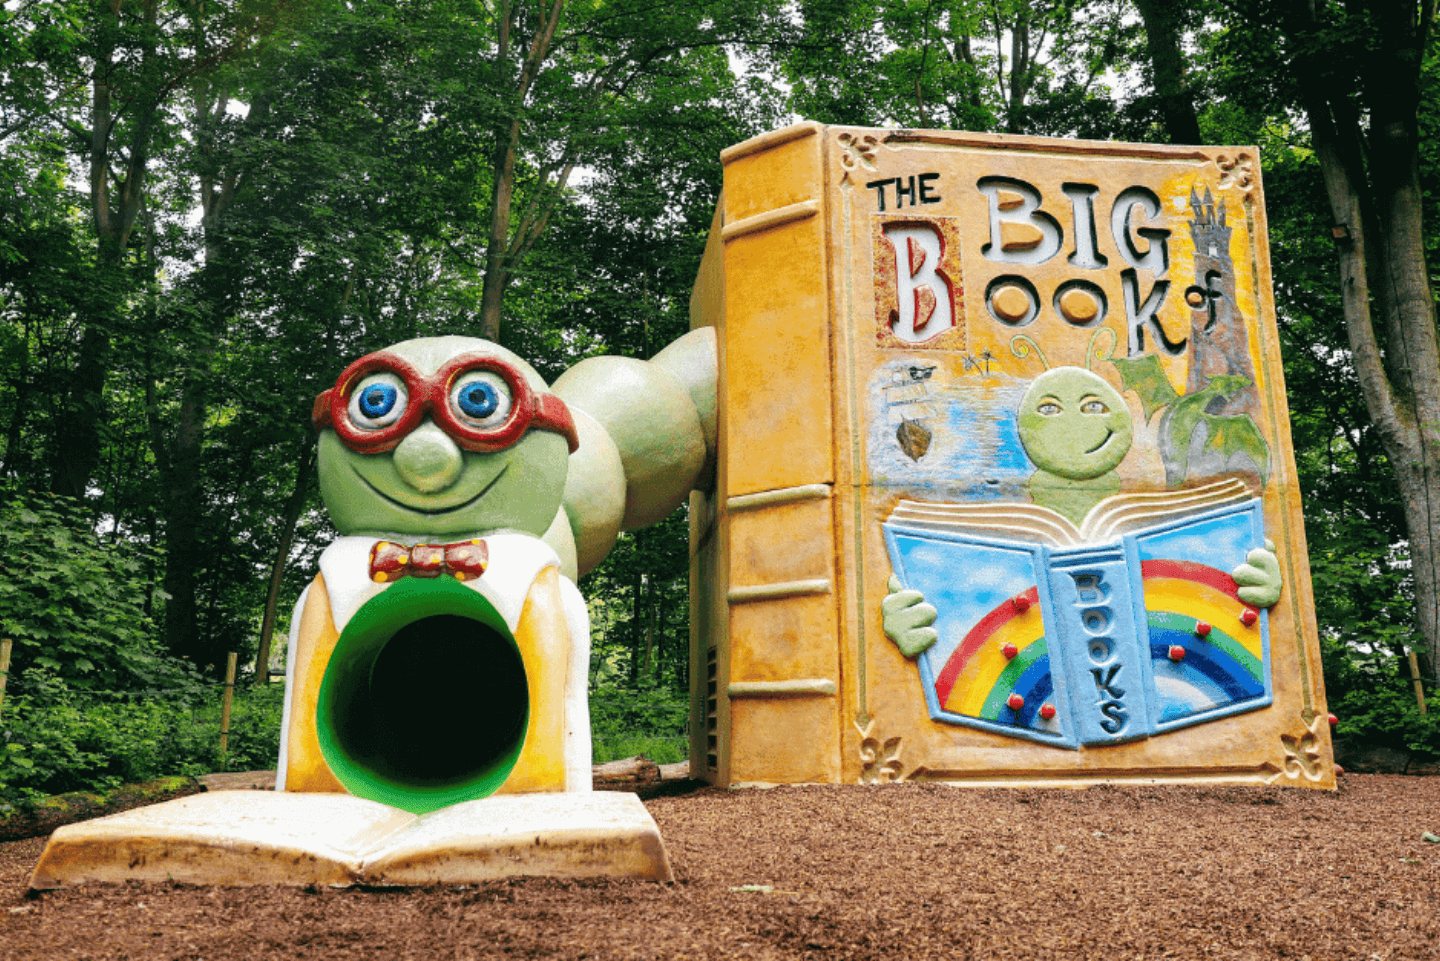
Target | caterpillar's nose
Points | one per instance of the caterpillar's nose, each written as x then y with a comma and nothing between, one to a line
427,459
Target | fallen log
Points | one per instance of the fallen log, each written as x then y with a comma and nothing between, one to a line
625,774
39,818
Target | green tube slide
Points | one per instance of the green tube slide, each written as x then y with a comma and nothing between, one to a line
424,702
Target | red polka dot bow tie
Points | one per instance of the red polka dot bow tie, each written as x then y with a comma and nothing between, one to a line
462,560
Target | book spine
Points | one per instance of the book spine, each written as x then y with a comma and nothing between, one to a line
1099,645
766,678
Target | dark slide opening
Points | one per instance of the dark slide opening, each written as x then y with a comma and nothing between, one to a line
446,700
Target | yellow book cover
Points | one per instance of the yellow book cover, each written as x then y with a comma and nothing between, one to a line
1006,491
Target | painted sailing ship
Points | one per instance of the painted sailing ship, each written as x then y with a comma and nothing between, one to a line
908,398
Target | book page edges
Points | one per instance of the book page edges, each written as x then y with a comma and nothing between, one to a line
570,835
1121,512
1025,521
260,837
1111,517
224,837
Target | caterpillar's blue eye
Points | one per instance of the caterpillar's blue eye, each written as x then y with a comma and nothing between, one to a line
481,398
378,401
477,399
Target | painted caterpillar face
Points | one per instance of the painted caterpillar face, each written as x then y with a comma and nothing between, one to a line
443,435
1074,425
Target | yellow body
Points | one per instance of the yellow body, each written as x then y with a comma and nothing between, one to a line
544,641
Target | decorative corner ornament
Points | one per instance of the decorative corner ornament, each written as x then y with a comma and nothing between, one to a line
1236,171
1302,753
880,760
858,151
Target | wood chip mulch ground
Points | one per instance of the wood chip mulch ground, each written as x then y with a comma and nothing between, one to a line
897,872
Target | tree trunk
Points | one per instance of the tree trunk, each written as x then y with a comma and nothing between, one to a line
637,612
77,439
625,773
502,193
184,513
1413,359
184,503
1162,41
1020,67
652,616
963,51
1375,199
293,508
10,460
497,271
77,436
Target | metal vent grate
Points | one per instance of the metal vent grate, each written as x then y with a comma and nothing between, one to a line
712,711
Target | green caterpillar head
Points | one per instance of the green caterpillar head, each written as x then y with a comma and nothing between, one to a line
1074,425
442,436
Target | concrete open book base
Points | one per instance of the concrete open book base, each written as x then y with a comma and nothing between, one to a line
252,837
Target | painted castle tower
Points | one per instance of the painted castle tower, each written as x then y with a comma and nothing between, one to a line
1219,346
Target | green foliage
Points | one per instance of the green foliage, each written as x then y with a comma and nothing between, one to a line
1364,604
343,156
649,719
1363,599
55,738
1020,66
1359,552
640,612
343,160
662,749
1359,548
1384,711
74,605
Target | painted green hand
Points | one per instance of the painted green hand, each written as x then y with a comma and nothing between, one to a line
1259,577
907,619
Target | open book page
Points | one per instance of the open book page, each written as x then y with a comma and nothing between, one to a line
598,833
228,837
1128,512
1032,523
262,837
1022,522
1097,643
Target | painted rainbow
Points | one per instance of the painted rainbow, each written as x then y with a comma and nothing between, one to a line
1225,667
1222,670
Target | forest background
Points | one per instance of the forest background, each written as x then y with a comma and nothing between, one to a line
207,207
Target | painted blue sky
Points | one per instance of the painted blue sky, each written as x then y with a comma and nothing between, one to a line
962,578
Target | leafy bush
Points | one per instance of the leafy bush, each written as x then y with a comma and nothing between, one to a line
1373,696
1387,714
649,719
56,738
75,606
254,728
662,750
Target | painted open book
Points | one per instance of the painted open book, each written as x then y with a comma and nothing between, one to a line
263,837
1126,626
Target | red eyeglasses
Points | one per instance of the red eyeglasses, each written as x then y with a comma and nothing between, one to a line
483,403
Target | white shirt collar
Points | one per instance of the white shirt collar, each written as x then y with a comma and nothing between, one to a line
515,561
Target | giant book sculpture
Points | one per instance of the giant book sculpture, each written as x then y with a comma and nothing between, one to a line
1004,490
993,485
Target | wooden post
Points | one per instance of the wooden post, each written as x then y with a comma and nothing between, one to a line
225,707
4,668
1415,678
